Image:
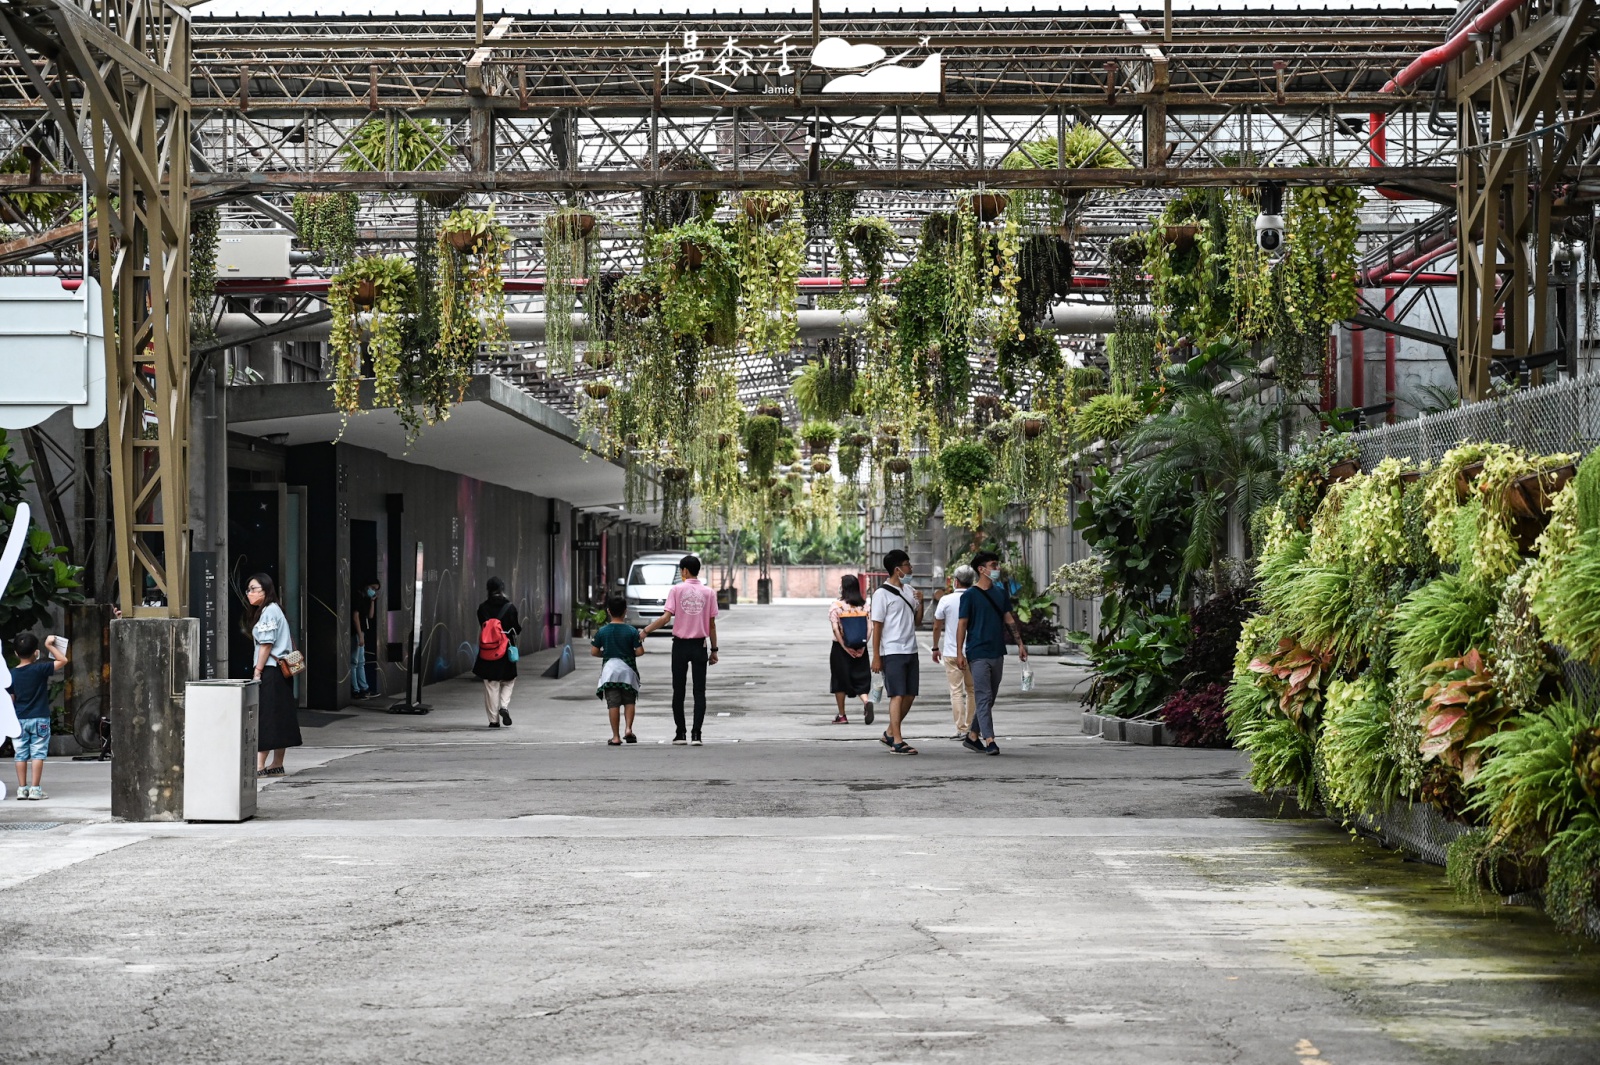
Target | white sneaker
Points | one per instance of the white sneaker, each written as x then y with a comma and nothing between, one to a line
24,793
37,792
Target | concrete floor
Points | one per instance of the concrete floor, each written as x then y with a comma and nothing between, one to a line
429,890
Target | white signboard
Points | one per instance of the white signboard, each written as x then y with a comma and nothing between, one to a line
857,68
52,352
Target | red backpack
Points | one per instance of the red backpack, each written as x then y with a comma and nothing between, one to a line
493,641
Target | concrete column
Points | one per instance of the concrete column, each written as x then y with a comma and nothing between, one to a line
208,487
151,661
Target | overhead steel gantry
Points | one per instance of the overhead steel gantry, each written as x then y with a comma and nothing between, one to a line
107,86
533,111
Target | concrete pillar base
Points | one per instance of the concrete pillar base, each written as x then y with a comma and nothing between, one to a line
151,661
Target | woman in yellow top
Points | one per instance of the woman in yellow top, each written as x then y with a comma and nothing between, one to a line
849,668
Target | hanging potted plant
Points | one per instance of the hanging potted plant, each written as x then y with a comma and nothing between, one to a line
987,206
570,253
325,224
765,207
819,436
390,285
695,269
401,143
471,308
770,256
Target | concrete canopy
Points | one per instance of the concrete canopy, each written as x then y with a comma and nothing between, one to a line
498,434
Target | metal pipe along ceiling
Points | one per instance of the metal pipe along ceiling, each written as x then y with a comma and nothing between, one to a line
1069,318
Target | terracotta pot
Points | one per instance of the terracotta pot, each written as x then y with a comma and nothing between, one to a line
989,205
986,401
631,440
1343,471
9,214
598,389
465,241
821,465
723,441
858,439
762,208
898,464
638,304
573,226
1464,479
691,256
888,445
1525,531
1180,237
707,393
859,233
1032,427
442,201
365,296
675,473
1530,494
1411,477
601,358
770,410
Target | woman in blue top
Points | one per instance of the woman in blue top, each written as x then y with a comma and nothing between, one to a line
278,717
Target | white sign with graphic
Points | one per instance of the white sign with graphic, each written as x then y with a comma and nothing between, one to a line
861,68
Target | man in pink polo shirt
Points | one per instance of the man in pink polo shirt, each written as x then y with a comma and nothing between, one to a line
692,609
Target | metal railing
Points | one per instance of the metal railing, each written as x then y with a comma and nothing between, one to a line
1560,417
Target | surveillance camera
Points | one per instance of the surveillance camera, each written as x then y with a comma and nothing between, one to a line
1269,232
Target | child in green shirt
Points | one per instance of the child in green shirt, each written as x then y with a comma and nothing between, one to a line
617,645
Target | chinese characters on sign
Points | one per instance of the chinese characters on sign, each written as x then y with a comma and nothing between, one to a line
694,63
871,69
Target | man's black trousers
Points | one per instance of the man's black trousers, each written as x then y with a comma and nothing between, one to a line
687,654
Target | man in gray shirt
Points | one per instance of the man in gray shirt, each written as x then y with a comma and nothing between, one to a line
895,614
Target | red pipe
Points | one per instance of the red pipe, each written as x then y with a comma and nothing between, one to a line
1378,147
1434,58
1423,256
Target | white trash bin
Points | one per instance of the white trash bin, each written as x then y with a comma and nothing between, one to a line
219,750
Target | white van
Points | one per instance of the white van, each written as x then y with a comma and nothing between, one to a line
647,583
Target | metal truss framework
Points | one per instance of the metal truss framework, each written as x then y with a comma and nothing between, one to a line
536,112
1526,105
110,87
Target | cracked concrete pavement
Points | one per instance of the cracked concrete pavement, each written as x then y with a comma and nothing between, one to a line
429,890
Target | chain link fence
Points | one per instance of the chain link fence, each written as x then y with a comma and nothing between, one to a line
1560,417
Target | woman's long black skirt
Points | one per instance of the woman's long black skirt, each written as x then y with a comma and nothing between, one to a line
853,676
277,716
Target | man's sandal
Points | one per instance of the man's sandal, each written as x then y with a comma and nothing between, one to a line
613,743
903,748
886,739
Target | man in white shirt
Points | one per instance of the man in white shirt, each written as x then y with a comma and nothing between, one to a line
946,623
896,612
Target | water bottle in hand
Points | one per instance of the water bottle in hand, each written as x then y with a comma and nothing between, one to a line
1027,677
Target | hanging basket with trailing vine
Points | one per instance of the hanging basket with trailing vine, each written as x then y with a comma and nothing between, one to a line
471,248
390,284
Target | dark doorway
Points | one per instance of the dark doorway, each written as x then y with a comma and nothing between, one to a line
255,544
363,570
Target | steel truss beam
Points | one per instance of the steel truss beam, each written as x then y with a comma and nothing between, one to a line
114,77
1523,101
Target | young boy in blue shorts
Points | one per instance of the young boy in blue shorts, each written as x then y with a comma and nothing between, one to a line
617,645
30,691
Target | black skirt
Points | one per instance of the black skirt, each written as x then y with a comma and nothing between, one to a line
853,676
277,717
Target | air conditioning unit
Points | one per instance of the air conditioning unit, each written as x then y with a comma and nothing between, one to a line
253,255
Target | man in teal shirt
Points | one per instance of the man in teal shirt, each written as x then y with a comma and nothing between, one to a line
981,646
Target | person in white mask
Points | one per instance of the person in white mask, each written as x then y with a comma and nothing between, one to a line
985,619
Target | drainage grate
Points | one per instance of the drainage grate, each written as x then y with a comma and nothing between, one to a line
29,826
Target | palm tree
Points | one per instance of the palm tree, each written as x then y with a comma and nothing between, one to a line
1223,452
